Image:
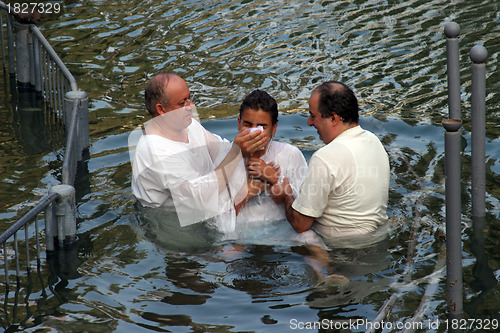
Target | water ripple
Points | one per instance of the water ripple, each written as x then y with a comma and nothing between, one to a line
391,52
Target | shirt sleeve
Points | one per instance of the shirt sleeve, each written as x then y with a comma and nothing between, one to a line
194,185
314,192
217,146
296,169
195,195
183,175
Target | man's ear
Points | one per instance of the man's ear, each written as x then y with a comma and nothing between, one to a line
336,119
239,124
159,109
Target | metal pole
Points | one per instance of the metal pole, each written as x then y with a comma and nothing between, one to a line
37,66
454,283
83,140
452,30
31,63
54,57
4,61
478,55
65,214
10,43
22,55
50,227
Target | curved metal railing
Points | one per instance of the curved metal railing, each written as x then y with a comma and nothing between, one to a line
36,66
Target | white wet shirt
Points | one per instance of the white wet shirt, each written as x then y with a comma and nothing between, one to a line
261,220
292,166
181,175
347,184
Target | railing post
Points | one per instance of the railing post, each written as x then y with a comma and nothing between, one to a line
22,55
10,48
4,60
83,140
50,227
61,219
452,30
31,54
37,65
478,55
454,282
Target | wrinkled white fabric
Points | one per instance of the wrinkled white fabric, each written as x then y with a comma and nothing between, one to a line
181,175
293,166
261,220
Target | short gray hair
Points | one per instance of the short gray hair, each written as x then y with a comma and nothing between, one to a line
155,91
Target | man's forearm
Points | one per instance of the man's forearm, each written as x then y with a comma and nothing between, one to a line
283,194
299,221
225,169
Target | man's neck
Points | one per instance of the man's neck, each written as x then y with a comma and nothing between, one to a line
162,130
342,127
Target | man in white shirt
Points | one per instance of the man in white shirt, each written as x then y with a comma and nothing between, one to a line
179,164
346,189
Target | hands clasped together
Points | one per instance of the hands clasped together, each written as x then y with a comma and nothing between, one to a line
261,175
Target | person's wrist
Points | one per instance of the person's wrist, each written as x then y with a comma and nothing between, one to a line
279,179
273,180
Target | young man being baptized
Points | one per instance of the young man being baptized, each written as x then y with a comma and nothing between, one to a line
259,217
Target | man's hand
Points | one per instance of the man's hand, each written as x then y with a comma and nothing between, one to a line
249,143
268,172
254,187
279,192
282,193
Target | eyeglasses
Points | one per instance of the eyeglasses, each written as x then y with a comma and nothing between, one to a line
183,104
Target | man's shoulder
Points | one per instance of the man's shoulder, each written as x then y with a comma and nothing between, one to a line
370,134
196,125
356,138
202,135
152,146
333,155
334,146
147,140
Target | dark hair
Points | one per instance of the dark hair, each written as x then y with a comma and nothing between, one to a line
336,97
155,91
260,100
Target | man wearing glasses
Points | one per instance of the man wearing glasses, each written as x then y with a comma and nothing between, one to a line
178,164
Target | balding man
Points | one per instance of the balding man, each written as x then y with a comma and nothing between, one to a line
346,189
179,164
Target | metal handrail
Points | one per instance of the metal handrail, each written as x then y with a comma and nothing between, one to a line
46,72
41,206
66,73
44,205
37,66
69,164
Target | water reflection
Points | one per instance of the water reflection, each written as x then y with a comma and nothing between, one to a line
196,260
161,226
484,278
